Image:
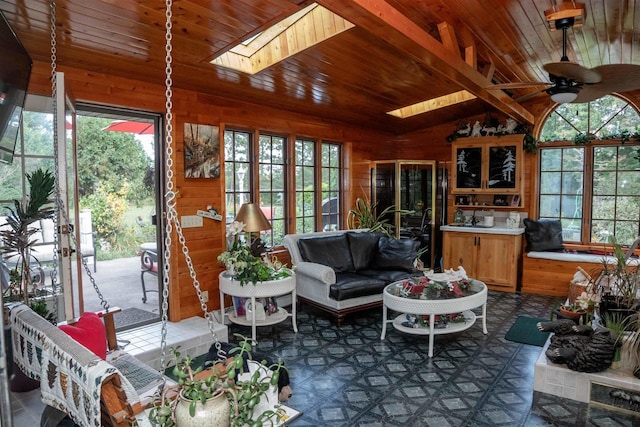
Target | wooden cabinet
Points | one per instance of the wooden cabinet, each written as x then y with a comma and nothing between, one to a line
491,169
490,258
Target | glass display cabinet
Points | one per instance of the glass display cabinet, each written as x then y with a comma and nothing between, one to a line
408,185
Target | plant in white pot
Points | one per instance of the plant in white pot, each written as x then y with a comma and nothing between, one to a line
221,395
244,266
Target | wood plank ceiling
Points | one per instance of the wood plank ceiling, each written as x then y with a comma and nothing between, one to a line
392,58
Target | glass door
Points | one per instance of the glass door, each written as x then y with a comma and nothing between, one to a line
68,257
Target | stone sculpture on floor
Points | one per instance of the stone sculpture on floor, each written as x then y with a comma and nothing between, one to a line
578,346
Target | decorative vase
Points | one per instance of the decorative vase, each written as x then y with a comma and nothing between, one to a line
214,412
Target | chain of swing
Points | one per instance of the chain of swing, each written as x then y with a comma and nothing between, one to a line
170,195
58,199
170,202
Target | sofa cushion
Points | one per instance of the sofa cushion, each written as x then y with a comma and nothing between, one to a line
388,276
394,254
363,247
543,235
331,250
351,285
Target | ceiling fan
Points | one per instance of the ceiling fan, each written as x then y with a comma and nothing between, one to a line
571,82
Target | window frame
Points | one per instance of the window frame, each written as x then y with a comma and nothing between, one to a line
589,147
254,164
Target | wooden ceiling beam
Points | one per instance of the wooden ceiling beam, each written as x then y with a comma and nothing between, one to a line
382,20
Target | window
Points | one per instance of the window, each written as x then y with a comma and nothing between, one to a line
305,186
593,187
237,171
270,178
331,186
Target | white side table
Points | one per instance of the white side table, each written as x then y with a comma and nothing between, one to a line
272,288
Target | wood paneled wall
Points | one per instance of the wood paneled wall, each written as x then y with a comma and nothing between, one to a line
206,243
361,146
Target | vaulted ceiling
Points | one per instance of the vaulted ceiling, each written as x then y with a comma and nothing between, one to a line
398,53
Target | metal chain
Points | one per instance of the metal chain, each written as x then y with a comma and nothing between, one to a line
170,201
54,95
58,199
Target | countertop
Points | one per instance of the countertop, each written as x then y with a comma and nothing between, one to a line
484,230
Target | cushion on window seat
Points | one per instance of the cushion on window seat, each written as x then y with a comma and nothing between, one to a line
543,235
350,285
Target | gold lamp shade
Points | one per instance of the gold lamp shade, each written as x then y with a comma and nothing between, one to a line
253,218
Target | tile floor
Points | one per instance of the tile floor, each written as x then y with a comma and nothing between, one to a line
347,376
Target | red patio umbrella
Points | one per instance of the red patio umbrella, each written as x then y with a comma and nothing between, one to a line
131,127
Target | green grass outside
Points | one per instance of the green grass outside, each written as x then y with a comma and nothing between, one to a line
128,241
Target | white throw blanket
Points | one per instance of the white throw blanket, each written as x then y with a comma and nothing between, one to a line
70,375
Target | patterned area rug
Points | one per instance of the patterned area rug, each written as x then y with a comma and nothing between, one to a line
132,316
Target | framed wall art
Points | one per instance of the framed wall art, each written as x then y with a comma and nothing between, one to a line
201,151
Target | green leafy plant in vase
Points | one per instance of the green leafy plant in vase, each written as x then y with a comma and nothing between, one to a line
244,266
242,393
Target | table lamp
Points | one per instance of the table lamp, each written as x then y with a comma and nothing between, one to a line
255,221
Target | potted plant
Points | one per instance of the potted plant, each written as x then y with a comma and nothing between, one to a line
244,266
364,215
618,283
17,234
237,396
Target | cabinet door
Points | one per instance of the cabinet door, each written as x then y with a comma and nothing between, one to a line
468,163
497,262
459,249
503,167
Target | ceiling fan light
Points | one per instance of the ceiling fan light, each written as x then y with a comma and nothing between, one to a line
564,97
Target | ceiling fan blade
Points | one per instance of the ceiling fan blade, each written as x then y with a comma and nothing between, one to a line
615,78
573,71
518,85
530,95
619,77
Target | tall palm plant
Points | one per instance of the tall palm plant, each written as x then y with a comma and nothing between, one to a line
17,237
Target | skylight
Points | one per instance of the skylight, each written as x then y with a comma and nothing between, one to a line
432,104
303,29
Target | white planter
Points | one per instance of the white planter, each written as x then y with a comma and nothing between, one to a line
214,412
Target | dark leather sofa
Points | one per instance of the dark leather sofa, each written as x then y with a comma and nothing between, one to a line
346,271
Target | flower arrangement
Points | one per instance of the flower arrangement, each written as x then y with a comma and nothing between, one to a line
243,265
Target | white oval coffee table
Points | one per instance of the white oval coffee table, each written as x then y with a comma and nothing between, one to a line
433,305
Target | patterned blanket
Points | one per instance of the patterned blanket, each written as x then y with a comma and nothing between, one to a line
70,375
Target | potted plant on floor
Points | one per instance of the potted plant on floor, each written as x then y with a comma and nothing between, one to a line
18,233
221,395
618,283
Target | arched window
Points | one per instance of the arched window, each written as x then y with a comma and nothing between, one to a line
589,171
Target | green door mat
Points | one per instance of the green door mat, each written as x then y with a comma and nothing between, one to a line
525,331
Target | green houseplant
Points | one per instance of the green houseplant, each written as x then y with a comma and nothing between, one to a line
364,215
618,283
196,385
18,233
243,265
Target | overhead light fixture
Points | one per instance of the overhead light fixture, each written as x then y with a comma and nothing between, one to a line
565,97
564,90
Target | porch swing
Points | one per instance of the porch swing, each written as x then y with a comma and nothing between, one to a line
73,380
